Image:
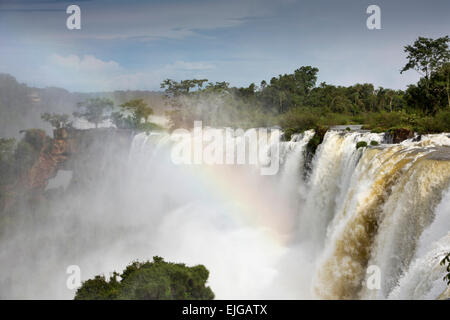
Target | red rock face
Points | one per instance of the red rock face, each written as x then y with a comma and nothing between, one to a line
53,154
70,150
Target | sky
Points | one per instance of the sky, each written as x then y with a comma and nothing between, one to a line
134,45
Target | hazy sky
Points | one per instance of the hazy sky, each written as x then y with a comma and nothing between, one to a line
136,44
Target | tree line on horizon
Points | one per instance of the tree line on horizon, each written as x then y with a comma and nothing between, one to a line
292,101
296,103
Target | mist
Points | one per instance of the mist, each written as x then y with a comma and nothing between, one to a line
21,106
124,203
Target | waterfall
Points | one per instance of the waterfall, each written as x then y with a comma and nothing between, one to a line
393,193
423,278
315,229
292,175
361,207
333,164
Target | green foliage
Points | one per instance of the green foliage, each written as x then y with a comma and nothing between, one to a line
99,289
315,141
431,59
374,143
174,89
431,95
427,55
57,120
134,115
294,102
361,144
216,104
385,119
288,90
440,122
157,280
94,110
121,121
139,109
446,260
298,120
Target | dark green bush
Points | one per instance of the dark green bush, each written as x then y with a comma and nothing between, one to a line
157,280
361,144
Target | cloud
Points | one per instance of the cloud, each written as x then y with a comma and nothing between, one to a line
88,63
90,73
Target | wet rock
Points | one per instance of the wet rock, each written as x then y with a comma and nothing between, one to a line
398,135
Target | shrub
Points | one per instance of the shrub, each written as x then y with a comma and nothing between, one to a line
361,144
299,120
157,280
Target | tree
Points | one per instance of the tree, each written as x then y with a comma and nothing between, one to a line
133,115
57,121
432,94
139,109
427,55
99,289
175,89
430,58
94,110
440,81
305,78
157,280
289,90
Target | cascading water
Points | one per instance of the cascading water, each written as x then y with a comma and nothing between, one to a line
393,193
356,208
423,278
291,182
333,165
297,234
